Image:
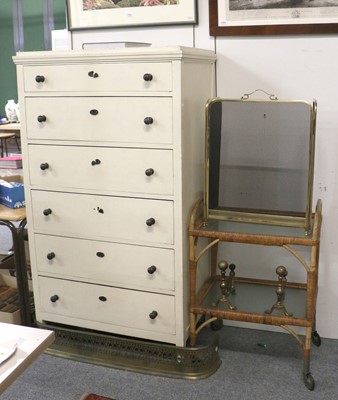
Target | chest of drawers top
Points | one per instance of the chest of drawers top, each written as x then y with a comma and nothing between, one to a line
126,70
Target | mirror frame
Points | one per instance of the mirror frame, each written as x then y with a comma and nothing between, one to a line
289,218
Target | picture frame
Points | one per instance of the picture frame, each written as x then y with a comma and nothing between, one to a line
287,21
126,13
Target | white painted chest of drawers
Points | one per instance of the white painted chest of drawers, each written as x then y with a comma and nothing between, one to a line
113,161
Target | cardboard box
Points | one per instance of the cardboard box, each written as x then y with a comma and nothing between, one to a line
9,317
13,196
8,270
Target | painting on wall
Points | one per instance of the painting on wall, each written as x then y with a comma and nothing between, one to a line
89,14
272,17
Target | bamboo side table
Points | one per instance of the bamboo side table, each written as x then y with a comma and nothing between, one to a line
7,217
222,297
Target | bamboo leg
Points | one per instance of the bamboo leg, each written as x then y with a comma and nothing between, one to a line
193,334
307,376
193,272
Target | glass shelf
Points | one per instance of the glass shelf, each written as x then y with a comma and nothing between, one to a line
257,298
213,225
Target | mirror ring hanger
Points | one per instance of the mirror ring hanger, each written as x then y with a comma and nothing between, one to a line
247,95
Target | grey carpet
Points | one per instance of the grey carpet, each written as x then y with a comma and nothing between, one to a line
255,365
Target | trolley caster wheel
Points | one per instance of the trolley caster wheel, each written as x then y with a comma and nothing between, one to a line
316,339
309,381
216,325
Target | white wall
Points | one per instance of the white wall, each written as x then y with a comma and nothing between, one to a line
304,68
295,67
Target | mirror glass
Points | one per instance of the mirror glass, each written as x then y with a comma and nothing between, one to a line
259,160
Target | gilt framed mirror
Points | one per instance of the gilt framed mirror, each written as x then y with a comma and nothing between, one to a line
259,160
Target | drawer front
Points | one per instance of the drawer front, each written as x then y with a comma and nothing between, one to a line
114,264
103,217
110,305
102,169
100,119
124,77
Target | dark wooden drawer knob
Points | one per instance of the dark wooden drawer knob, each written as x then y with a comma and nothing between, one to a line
153,314
39,78
47,212
103,298
149,171
147,77
150,221
93,74
96,162
151,269
54,298
44,166
42,118
148,120
51,255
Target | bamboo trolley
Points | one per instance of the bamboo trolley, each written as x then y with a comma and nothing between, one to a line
302,296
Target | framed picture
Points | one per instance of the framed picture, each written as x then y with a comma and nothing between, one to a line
88,14
272,17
